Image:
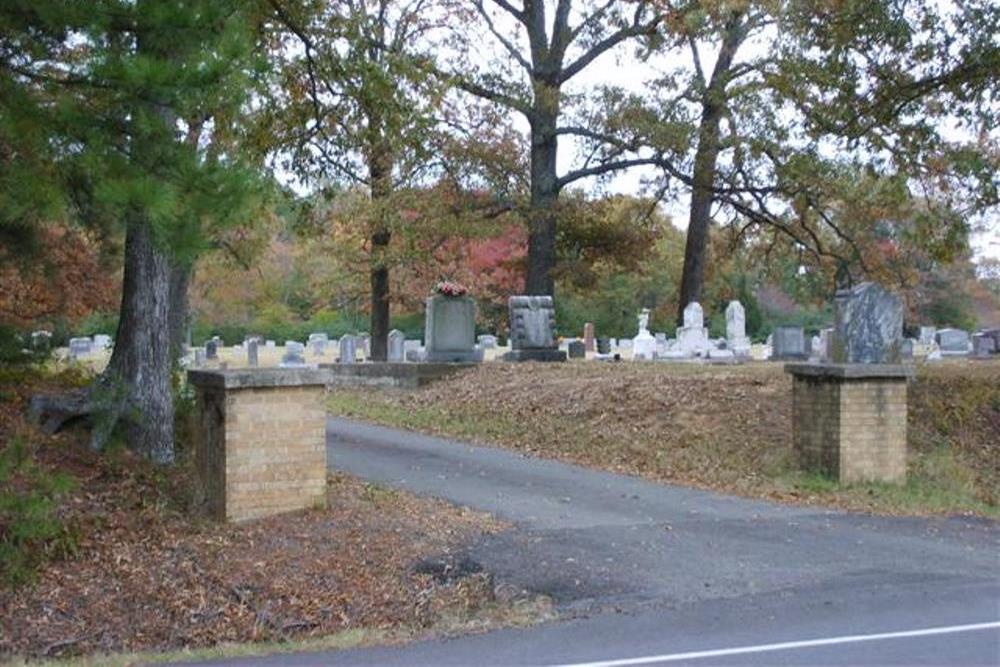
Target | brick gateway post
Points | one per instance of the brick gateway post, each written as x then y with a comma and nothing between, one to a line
849,420
261,440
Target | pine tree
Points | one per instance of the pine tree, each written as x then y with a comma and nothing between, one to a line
105,98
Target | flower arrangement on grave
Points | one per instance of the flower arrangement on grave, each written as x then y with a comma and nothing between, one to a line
449,288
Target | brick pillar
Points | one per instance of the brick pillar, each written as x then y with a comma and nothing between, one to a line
261,440
849,420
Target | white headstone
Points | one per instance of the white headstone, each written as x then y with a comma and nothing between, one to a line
736,329
692,338
395,346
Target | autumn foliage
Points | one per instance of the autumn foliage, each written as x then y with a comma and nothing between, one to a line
69,281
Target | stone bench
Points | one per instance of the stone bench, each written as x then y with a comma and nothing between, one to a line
261,440
849,420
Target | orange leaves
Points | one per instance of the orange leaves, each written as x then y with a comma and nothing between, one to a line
70,281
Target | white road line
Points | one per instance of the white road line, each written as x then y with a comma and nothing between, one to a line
784,646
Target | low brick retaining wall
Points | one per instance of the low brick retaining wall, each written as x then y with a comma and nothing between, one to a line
261,440
849,420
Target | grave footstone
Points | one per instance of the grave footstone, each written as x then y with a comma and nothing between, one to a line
532,329
396,342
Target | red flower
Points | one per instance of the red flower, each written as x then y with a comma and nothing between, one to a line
449,288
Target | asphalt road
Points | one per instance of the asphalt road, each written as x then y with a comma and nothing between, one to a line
654,574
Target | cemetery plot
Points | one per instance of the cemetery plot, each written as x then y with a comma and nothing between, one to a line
726,428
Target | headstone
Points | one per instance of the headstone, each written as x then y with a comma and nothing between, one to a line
211,349
692,338
577,350
294,355
533,329
102,341
644,344
907,349
487,341
588,336
788,342
450,328
825,336
603,345
41,341
995,335
815,347
927,335
416,354
736,329
983,345
270,343
199,357
661,343
953,342
868,327
364,341
317,343
348,349
395,346
79,347
251,346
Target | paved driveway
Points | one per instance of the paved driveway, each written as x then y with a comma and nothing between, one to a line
655,574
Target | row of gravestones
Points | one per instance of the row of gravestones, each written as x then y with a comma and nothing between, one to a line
692,339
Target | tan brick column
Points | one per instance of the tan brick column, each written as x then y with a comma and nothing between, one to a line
849,420
261,440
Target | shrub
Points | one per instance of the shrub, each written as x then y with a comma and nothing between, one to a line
31,530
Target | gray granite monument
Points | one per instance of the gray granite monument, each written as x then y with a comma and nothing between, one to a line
532,330
450,329
868,326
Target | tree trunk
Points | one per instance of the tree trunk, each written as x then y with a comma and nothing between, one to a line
713,106
380,165
379,278
542,214
696,247
180,279
138,376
